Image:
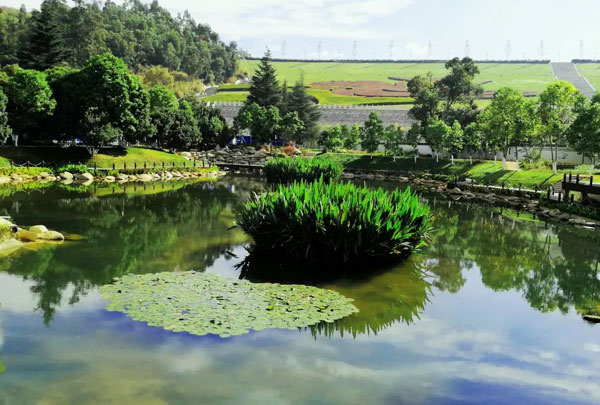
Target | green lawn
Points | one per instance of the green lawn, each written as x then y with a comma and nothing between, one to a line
524,77
325,97
591,71
56,156
481,171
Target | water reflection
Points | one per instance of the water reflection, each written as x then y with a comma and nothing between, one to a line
154,229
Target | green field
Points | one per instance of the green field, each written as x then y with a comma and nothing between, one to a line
591,71
324,97
524,77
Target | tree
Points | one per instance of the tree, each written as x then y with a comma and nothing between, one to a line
30,102
453,141
472,139
263,122
300,102
184,131
211,123
457,86
436,134
98,130
426,99
412,138
290,126
558,107
106,86
331,138
5,130
351,136
265,90
45,45
393,138
13,29
584,132
163,109
372,133
508,121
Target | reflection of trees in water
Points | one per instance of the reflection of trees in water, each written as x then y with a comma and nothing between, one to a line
552,266
396,295
125,234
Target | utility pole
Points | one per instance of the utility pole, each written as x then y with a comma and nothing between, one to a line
391,49
283,49
467,48
319,49
354,50
429,50
581,49
508,50
542,50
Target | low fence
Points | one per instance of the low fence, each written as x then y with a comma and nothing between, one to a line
135,167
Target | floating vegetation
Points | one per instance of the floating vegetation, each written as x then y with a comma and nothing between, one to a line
202,304
328,226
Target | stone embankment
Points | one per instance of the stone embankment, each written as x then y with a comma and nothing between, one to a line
88,178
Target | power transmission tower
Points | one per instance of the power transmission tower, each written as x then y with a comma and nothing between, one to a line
542,50
467,48
508,50
283,49
319,49
429,50
581,49
391,50
354,50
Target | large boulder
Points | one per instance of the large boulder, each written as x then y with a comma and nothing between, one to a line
109,179
16,177
4,179
38,229
66,176
122,177
51,235
27,236
84,176
145,177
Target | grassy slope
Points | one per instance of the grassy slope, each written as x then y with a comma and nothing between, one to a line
51,155
592,72
483,172
520,76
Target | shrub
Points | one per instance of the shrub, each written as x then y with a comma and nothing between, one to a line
287,170
5,233
326,226
72,168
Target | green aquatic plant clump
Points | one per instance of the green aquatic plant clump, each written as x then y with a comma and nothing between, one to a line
201,304
287,170
332,225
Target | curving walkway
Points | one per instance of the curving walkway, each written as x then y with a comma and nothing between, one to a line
567,71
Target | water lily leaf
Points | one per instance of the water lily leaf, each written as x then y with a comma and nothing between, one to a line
202,304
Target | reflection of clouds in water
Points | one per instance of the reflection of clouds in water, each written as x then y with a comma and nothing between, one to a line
408,362
17,297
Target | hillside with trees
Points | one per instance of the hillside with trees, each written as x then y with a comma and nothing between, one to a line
142,35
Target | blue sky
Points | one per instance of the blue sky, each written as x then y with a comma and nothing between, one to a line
401,29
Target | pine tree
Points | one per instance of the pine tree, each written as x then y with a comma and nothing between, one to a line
45,46
265,90
300,102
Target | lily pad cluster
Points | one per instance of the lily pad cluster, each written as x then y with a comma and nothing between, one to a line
201,304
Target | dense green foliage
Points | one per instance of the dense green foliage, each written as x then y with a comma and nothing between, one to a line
287,170
333,225
5,129
141,34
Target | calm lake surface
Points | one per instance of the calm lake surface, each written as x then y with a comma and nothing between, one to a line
485,314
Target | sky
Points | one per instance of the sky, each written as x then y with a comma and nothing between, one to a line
400,29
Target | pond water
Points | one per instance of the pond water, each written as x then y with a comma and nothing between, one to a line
485,314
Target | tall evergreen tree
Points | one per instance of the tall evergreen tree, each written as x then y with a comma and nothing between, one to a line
265,90
45,46
300,102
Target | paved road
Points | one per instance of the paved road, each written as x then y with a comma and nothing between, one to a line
568,71
337,115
